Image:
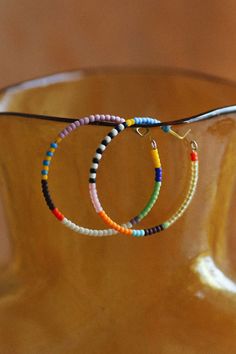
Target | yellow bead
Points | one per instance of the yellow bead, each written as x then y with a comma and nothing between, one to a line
45,177
58,139
130,122
48,158
46,168
156,159
52,149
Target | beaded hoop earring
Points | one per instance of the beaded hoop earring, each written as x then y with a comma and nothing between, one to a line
143,232
49,156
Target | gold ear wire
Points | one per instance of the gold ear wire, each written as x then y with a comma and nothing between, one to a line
142,131
167,129
179,136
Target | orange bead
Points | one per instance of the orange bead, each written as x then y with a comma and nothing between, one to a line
194,156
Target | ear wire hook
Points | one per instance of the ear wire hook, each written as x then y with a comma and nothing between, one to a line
167,129
142,131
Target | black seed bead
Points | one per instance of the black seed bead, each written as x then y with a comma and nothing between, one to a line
110,135
146,232
161,227
50,204
95,160
135,220
93,170
125,124
99,151
118,128
44,183
152,231
92,180
45,188
158,227
104,142
48,200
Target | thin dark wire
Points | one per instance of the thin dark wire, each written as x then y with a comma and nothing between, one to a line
193,119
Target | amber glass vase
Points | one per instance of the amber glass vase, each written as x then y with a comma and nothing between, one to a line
64,293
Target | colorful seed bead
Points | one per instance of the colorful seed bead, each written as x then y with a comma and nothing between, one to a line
158,175
166,128
194,156
46,164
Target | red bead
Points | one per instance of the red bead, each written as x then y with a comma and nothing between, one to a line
58,214
194,156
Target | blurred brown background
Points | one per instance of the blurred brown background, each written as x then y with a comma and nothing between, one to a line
41,37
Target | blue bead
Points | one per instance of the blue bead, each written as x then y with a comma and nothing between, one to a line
145,120
46,162
158,176
49,153
166,128
44,172
142,233
54,145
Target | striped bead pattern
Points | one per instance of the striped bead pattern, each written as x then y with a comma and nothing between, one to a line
150,231
47,161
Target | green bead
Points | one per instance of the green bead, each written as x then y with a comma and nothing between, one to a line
165,225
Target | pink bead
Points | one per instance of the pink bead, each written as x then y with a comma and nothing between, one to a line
92,118
86,120
95,200
107,117
73,126
62,135
81,121
77,123
65,132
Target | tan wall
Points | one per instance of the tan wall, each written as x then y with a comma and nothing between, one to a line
40,37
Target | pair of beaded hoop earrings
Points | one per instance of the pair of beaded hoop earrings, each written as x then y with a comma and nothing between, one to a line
127,229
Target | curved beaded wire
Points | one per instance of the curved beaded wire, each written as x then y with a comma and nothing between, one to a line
144,232
45,171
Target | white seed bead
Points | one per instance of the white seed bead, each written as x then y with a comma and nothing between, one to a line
98,156
108,139
114,132
94,165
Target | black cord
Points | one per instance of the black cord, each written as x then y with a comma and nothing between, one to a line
193,119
